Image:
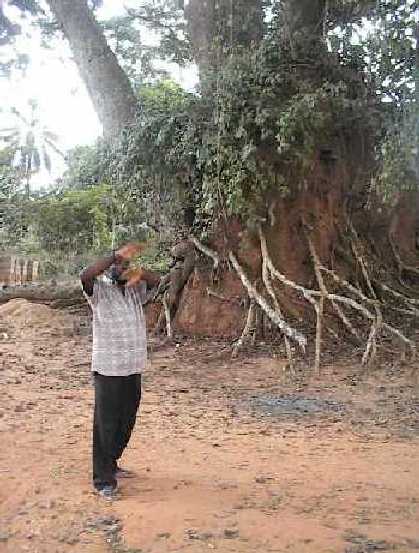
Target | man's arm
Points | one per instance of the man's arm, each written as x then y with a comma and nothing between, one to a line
89,274
135,276
151,278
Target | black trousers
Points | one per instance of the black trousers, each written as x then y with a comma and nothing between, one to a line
117,399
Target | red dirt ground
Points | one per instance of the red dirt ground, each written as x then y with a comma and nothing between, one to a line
218,467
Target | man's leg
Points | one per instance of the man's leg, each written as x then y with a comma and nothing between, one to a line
105,428
131,394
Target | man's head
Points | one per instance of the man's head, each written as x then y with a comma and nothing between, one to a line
117,271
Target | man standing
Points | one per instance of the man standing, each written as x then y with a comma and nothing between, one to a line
118,357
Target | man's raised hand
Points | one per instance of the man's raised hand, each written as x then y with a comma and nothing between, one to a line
128,251
133,275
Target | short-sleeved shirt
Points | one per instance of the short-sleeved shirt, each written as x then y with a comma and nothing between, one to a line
119,328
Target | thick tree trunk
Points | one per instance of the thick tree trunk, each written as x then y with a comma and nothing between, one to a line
305,15
217,26
304,21
106,82
417,65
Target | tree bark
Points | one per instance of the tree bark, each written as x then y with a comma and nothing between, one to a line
217,26
43,294
417,65
304,15
106,82
304,21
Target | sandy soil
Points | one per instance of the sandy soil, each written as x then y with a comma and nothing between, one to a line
230,455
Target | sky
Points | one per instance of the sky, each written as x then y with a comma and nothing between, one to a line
53,81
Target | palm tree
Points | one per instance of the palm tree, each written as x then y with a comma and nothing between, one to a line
32,142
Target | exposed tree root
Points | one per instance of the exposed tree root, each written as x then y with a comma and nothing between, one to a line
347,323
360,308
206,251
167,315
317,297
266,277
409,302
271,214
371,349
249,328
292,333
319,305
171,287
363,299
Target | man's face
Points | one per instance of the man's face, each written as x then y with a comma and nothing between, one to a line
117,270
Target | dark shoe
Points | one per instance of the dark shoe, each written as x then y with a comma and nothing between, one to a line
108,493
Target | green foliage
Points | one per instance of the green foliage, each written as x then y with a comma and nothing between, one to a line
75,226
255,130
147,163
75,221
27,6
137,59
317,118
71,227
266,117
155,257
223,154
86,166
14,206
165,19
162,98
190,160
381,44
128,34
140,188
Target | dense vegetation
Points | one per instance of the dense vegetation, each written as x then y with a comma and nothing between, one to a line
268,101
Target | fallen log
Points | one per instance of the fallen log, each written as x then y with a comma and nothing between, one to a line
48,294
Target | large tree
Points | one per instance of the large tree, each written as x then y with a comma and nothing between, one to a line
304,17
279,160
107,84
217,27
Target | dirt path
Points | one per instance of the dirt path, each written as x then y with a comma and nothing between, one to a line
231,456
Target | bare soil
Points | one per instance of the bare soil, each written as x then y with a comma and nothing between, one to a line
231,455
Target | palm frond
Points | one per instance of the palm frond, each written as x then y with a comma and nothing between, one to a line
54,147
30,140
28,163
20,116
36,159
9,130
10,137
47,159
51,135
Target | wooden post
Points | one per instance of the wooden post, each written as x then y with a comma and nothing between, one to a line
29,271
35,271
18,272
12,271
4,271
24,271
